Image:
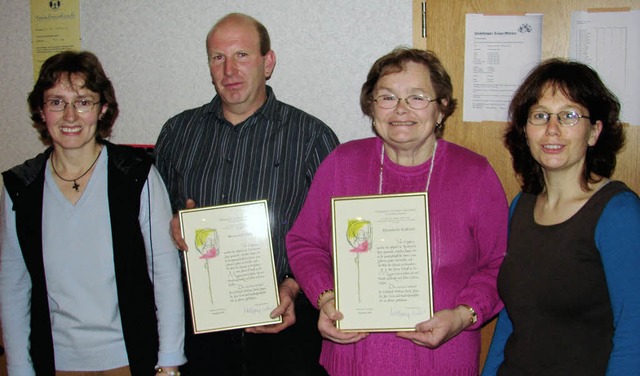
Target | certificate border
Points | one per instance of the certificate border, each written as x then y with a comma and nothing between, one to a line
369,200
208,210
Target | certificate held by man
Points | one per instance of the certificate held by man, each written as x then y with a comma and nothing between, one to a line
231,274
382,262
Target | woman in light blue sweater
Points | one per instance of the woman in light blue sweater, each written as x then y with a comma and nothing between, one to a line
89,277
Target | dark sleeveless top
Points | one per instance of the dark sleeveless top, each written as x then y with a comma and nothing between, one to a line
553,285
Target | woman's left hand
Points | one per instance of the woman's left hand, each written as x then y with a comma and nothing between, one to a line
288,291
327,323
443,326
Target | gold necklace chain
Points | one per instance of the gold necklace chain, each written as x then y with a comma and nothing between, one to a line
75,185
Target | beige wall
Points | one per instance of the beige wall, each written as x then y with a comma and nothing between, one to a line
154,53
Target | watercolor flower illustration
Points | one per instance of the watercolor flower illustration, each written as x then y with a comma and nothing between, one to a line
359,237
207,245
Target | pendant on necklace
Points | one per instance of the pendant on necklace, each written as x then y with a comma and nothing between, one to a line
75,185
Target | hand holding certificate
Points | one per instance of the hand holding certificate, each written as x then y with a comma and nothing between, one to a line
230,269
382,264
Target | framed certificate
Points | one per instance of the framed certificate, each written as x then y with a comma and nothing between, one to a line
231,274
382,262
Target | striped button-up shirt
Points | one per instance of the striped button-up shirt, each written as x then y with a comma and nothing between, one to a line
272,155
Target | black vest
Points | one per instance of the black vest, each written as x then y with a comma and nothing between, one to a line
127,173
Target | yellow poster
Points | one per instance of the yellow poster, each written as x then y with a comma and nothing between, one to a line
55,27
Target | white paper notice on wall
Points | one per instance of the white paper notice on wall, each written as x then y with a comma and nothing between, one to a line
608,41
499,51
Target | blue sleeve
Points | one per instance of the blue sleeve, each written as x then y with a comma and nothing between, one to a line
503,328
15,295
513,205
496,350
163,262
618,240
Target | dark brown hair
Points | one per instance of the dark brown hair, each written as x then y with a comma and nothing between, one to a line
63,66
394,62
582,85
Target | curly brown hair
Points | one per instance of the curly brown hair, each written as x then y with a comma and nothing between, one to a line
582,85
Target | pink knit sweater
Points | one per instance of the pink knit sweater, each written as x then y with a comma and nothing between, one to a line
468,223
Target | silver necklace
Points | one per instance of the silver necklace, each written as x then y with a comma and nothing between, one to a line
75,185
433,162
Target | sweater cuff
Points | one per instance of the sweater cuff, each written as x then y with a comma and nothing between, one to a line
21,371
170,359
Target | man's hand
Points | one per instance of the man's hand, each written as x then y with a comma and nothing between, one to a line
288,291
176,233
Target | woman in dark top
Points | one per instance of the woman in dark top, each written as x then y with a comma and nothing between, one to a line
570,275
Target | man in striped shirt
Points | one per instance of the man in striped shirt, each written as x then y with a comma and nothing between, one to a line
246,145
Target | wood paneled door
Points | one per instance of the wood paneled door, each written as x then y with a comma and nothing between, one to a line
444,26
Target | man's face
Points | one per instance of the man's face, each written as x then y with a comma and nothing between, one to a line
238,71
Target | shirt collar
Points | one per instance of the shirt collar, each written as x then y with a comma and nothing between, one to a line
267,110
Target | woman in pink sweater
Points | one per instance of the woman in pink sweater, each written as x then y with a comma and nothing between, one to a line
408,96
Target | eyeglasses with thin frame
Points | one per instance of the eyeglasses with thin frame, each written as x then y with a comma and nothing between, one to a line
58,105
566,118
389,101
